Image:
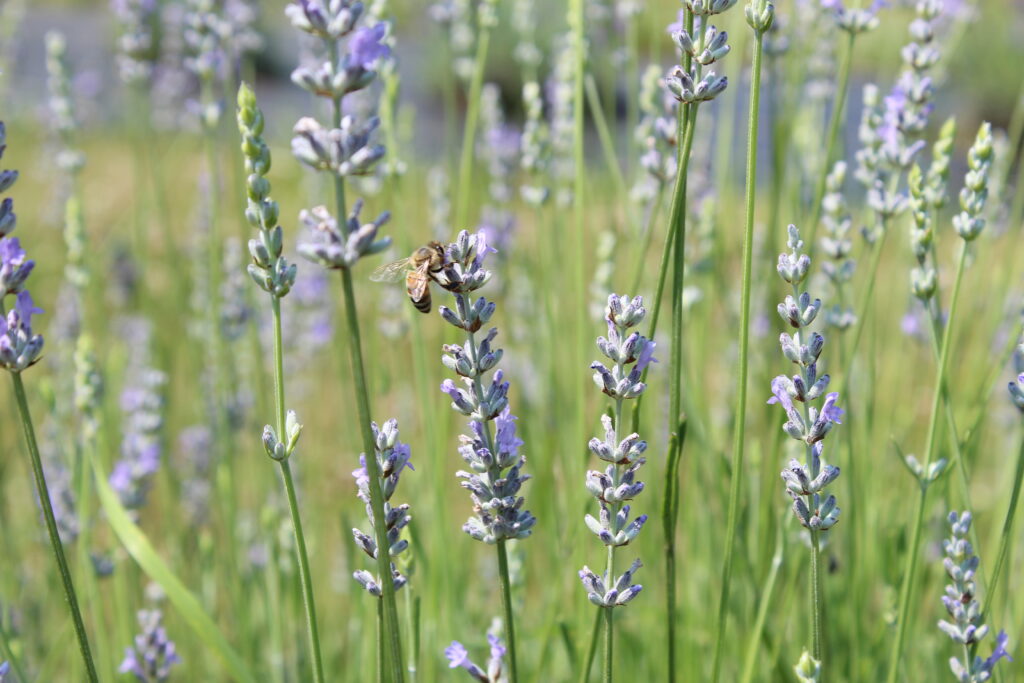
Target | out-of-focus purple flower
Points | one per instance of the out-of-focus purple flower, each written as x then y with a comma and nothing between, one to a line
365,48
142,421
679,24
4,669
19,348
14,268
153,655
1000,650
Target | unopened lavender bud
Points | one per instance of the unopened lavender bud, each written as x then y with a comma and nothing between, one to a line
759,15
274,448
808,669
923,283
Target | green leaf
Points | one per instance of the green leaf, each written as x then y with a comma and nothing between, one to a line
142,551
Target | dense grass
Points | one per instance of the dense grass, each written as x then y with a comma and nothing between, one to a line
453,591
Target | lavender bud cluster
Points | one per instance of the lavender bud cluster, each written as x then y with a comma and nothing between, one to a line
966,627
20,348
854,20
458,657
630,353
491,449
205,30
805,483
970,221
137,46
392,457
153,655
705,47
1017,387
837,246
535,151
269,269
61,103
346,149
655,136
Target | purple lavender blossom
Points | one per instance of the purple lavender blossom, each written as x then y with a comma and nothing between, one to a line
14,269
392,458
617,484
5,668
19,347
142,421
966,628
153,654
805,483
365,47
458,657
495,477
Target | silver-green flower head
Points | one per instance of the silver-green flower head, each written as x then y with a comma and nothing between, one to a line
793,267
808,669
855,20
341,247
706,8
713,47
970,222
342,151
760,15
326,19
682,86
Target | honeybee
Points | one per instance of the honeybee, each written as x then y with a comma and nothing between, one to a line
419,269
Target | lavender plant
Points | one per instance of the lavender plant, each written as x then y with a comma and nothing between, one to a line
491,452
806,482
20,348
967,627
631,353
700,46
272,273
346,150
968,223
153,654
759,15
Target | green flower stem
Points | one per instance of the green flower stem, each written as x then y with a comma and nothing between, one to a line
1005,536
909,574
816,602
767,591
592,649
469,132
669,519
51,526
391,624
391,627
506,603
831,136
609,640
293,504
381,677
744,345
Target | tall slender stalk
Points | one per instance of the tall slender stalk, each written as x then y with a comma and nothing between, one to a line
391,624
302,556
910,571
51,527
392,628
744,344
276,276
506,603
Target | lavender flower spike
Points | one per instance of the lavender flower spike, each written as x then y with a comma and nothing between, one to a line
392,457
491,451
151,658
966,627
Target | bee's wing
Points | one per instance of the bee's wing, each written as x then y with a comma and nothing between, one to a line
417,282
390,272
